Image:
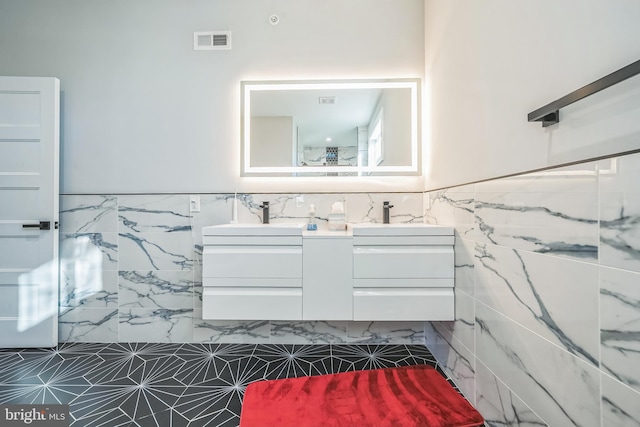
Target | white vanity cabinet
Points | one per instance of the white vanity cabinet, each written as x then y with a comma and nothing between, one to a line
369,272
327,292
252,273
403,272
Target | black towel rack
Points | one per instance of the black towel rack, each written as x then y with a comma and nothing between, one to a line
550,113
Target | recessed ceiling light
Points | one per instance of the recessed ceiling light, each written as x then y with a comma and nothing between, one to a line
328,139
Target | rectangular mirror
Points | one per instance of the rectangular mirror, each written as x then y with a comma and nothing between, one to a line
331,128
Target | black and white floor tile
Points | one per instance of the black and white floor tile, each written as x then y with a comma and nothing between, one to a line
174,385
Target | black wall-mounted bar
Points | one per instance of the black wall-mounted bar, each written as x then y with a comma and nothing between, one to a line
550,113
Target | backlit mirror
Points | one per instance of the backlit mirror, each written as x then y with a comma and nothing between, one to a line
330,128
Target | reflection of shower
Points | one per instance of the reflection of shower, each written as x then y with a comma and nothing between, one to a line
331,159
332,156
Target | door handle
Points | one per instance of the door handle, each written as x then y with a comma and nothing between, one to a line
42,225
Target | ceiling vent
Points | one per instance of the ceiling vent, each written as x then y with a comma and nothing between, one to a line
327,100
211,40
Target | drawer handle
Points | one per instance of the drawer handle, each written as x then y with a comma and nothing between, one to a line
42,225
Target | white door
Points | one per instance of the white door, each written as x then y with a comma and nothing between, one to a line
29,153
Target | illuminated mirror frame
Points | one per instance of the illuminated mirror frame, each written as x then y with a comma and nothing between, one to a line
248,87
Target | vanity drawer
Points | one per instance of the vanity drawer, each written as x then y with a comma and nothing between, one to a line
252,304
403,304
403,262
403,283
251,240
251,261
440,240
252,282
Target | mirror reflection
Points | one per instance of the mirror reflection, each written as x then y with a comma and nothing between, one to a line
330,128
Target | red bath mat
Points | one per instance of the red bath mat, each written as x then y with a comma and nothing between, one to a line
409,396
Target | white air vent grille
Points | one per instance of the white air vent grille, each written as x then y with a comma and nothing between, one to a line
327,100
211,40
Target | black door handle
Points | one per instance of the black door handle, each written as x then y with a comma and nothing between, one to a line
43,225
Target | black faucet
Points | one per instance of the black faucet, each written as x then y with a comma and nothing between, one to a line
265,212
385,212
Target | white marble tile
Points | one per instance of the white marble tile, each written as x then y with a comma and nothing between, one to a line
316,332
462,328
621,176
215,209
554,297
620,404
454,358
435,342
282,208
82,324
407,207
561,388
453,208
570,179
442,330
385,332
295,207
88,214
315,156
156,251
499,405
218,209
197,260
156,289
197,293
89,251
464,274
562,224
323,204
620,325
620,229
85,287
154,213
230,331
155,325
557,319
348,156
466,188
358,207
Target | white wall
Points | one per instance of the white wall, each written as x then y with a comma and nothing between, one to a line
490,63
143,112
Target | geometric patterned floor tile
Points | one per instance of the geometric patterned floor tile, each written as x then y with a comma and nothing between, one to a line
174,385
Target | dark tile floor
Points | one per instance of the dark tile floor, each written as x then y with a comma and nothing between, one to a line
174,385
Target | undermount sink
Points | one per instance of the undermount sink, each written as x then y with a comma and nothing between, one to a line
275,229
399,229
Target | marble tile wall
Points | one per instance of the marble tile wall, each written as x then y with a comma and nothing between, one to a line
131,268
317,156
547,295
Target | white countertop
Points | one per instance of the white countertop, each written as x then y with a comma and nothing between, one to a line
326,233
300,229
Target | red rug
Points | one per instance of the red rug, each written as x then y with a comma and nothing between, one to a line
409,396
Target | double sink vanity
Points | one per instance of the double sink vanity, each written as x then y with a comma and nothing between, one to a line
367,272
